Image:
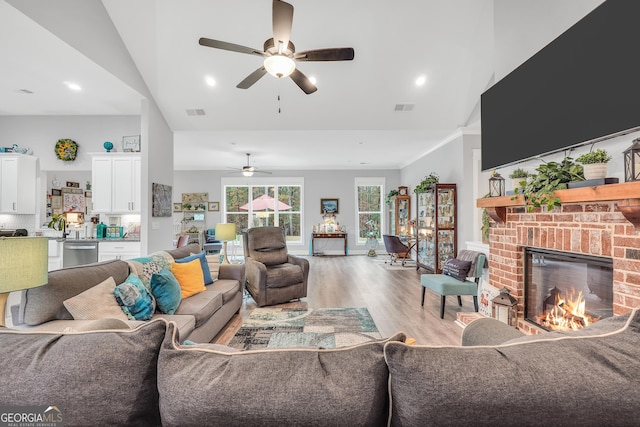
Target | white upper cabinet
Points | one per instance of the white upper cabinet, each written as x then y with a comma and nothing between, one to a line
116,183
18,184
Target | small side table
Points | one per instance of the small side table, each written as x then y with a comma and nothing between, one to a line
315,236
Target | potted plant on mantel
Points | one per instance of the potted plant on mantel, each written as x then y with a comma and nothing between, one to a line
518,178
595,163
551,176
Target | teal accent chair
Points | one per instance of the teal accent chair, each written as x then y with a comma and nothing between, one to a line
444,285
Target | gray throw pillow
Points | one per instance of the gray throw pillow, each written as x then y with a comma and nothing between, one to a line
94,378
456,268
304,387
96,303
575,379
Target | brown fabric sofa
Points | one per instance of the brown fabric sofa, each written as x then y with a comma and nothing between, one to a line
199,318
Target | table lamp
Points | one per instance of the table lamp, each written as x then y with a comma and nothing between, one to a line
23,265
225,232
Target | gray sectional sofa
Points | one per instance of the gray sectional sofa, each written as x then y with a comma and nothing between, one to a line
145,377
198,318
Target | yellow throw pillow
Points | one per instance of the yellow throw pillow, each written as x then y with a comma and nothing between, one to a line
190,277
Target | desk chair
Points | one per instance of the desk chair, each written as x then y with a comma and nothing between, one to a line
445,284
395,248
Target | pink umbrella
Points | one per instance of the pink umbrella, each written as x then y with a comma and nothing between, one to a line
265,202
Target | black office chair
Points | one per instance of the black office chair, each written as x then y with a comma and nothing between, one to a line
396,249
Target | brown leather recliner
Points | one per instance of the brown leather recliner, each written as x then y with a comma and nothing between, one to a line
272,275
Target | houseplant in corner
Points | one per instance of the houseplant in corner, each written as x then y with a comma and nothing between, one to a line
428,180
595,163
550,176
390,195
518,178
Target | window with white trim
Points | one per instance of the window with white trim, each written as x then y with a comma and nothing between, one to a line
369,208
264,202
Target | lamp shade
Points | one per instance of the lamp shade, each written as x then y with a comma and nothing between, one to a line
226,232
23,263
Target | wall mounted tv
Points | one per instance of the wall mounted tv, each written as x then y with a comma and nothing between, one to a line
582,87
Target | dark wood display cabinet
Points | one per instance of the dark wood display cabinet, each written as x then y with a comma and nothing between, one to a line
436,228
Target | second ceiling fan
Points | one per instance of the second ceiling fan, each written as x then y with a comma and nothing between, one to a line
280,54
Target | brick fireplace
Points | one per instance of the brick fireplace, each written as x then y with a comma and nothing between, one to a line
594,226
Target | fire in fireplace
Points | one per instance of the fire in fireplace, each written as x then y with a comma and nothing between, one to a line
567,291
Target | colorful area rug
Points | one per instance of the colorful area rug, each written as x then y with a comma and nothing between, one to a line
300,327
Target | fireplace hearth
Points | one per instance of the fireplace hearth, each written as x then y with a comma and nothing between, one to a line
566,291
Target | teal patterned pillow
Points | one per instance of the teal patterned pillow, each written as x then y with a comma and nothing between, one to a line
135,299
145,267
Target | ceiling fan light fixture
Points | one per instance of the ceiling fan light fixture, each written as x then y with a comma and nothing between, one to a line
279,65
247,173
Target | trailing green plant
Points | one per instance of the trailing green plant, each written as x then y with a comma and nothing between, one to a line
551,176
57,222
428,180
486,225
518,173
390,195
595,156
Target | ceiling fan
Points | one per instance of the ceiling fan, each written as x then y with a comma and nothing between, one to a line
280,54
249,170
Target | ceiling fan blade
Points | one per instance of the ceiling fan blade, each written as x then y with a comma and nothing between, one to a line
229,46
331,54
258,171
252,78
282,22
303,82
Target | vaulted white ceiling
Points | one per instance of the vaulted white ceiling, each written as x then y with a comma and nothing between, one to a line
351,122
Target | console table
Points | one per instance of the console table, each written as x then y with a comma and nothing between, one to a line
315,236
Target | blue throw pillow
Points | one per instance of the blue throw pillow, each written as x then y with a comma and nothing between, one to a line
135,299
203,263
166,290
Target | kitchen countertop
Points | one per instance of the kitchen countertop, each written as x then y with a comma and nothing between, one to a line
60,239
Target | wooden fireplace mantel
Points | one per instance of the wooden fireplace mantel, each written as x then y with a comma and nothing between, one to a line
626,194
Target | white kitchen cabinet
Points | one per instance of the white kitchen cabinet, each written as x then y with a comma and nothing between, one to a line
116,185
18,184
55,254
118,250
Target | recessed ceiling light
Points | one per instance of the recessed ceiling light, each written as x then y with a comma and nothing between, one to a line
210,81
313,80
73,86
421,80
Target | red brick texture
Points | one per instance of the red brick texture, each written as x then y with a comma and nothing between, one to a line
586,228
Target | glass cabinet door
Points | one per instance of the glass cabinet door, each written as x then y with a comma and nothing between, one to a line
403,216
436,227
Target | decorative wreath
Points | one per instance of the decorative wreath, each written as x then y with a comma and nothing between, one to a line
66,150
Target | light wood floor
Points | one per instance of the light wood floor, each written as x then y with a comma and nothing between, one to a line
391,294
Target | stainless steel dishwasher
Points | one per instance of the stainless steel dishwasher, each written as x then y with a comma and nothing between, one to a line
79,252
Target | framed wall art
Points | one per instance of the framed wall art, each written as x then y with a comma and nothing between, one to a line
329,206
161,200
177,207
214,206
131,143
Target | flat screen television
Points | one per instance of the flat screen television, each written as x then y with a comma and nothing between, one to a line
582,87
